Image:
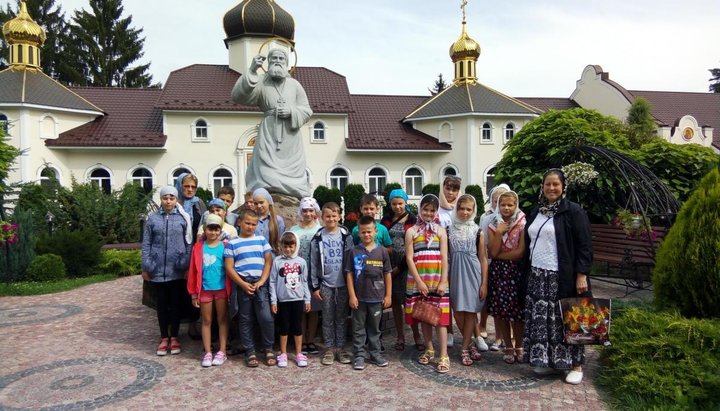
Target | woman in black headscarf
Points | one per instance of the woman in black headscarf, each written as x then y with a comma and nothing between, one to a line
559,252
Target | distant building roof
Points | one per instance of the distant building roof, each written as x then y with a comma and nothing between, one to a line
471,98
131,120
549,103
376,124
207,87
36,87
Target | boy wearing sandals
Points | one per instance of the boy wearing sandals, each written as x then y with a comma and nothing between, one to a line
248,259
328,250
368,276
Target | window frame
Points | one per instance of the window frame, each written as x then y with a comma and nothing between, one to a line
489,129
195,129
219,182
412,193
107,189
373,179
140,180
314,130
509,127
332,178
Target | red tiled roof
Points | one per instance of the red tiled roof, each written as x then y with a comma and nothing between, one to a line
377,124
549,103
131,120
670,106
207,87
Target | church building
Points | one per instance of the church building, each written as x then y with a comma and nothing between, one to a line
111,136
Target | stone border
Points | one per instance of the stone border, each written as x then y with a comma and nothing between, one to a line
149,373
34,311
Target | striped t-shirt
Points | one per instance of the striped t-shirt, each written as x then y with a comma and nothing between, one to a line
249,255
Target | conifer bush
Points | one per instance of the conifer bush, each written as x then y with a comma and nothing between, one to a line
324,195
46,267
80,250
687,270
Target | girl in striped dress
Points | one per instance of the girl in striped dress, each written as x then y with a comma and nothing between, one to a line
426,252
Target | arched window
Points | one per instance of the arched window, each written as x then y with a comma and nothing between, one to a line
339,178
449,171
101,178
47,175
413,181
376,180
48,127
489,180
4,124
486,133
509,131
177,173
318,132
221,177
201,130
143,177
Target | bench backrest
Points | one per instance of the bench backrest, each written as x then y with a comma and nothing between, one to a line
612,240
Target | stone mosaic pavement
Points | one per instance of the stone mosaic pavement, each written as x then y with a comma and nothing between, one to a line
93,348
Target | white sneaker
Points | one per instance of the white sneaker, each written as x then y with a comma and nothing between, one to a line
219,358
542,371
574,377
481,344
282,360
207,359
450,340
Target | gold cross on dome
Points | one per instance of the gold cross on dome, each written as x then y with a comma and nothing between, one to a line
463,3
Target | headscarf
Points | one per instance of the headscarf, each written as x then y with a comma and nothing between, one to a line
264,193
516,225
188,223
308,202
546,208
187,203
464,229
399,193
494,189
297,243
428,228
168,190
444,203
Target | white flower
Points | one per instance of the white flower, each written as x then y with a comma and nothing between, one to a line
579,174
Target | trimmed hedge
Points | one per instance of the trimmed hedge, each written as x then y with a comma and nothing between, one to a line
46,267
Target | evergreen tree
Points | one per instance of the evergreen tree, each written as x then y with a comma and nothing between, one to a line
641,124
52,19
715,80
439,85
107,46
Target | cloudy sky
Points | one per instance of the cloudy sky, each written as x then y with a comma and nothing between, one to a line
529,48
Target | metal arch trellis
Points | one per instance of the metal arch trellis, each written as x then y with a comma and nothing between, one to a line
646,195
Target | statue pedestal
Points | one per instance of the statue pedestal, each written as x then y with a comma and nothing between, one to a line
286,207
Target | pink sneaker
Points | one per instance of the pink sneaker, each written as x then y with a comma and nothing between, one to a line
301,360
282,360
219,358
207,359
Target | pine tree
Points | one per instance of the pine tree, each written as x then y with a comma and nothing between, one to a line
641,124
52,19
715,80
107,46
439,85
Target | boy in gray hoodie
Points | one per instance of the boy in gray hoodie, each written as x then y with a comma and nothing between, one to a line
290,296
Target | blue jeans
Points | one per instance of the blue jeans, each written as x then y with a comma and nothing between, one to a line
257,305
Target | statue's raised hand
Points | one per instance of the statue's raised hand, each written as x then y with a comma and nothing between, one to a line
256,63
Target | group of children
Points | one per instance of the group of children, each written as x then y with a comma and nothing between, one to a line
266,275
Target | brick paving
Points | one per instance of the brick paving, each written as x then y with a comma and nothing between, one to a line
94,347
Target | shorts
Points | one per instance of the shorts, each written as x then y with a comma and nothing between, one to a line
208,296
289,317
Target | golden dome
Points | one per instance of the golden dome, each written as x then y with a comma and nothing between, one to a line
464,47
22,29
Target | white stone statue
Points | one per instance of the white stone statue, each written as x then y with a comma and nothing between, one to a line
278,161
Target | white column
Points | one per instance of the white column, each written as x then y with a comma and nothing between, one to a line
25,174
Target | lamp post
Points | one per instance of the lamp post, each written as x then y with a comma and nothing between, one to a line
49,218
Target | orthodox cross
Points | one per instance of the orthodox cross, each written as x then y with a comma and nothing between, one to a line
463,3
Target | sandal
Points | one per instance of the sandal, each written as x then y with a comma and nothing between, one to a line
312,349
400,346
252,361
475,353
270,358
426,357
465,357
519,352
328,358
443,365
162,348
175,347
509,356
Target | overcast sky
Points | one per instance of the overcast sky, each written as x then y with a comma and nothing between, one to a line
529,48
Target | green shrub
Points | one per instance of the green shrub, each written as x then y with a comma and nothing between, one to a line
15,258
687,270
477,192
120,263
46,267
325,195
431,189
80,250
352,195
204,195
662,360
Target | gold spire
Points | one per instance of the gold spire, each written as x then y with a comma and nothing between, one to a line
464,52
25,38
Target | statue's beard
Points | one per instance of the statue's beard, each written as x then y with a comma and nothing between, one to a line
277,71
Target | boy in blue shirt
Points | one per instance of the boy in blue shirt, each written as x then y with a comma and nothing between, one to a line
368,276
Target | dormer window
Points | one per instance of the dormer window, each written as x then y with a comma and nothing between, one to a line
200,130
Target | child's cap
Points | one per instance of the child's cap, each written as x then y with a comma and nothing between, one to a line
168,190
217,203
213,220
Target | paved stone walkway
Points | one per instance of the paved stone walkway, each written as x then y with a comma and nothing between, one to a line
93,348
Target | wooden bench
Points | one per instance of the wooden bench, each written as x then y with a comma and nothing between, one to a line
624,260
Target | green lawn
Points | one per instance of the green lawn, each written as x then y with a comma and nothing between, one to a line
37,288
